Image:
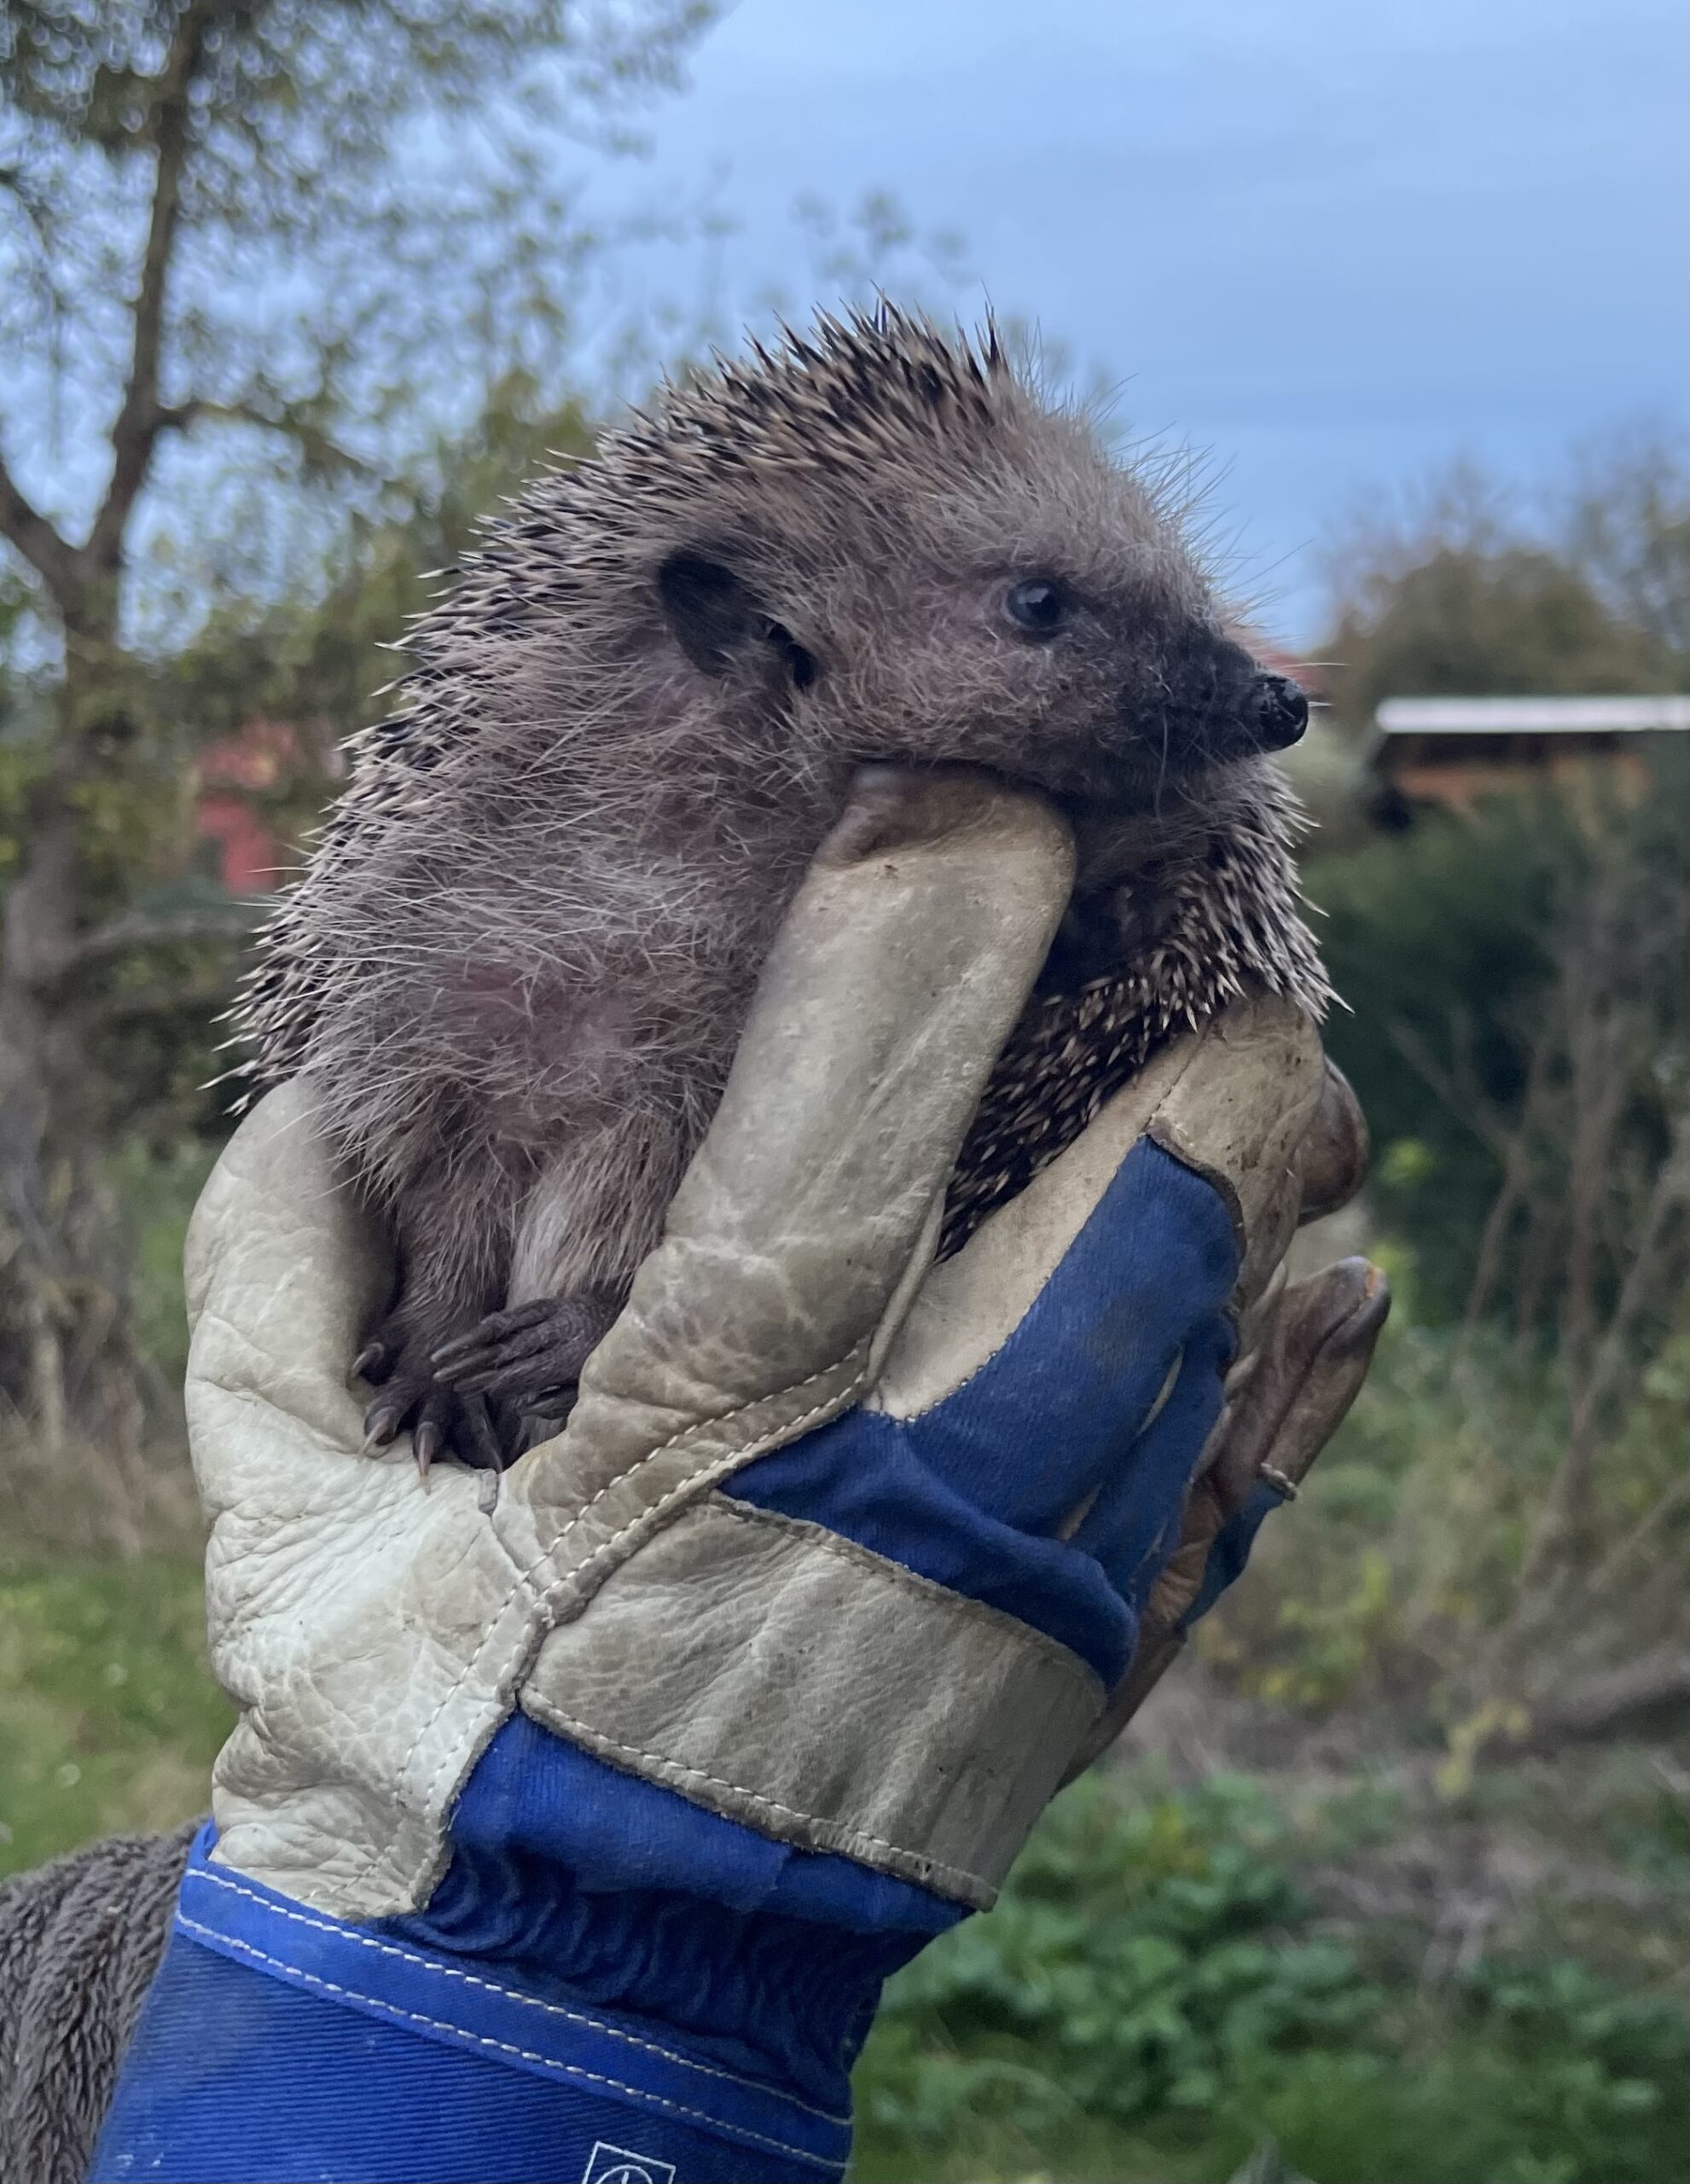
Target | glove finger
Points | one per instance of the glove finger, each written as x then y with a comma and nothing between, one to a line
1326,1168
1320,1350
797,1235
1055,1328
283,1268
1331,1161
1314,1357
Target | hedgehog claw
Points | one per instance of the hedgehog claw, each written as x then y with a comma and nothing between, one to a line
381,1424
531,1355
373,1362
442,1420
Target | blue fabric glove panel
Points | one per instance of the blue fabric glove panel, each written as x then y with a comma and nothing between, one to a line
590,1885
972,1492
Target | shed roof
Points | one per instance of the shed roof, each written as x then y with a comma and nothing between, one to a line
1530,716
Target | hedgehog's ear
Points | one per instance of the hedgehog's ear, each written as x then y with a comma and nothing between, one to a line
710,612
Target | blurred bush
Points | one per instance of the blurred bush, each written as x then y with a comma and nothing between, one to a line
1157,1993
1399,1581
1477,958
1140,1953
1464,586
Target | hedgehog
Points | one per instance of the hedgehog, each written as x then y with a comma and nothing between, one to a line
513,969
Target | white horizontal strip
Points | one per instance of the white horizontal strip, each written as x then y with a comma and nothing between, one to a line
1529,716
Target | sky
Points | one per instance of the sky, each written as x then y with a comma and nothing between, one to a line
1333,243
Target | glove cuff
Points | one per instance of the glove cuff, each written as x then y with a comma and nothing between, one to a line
443,2063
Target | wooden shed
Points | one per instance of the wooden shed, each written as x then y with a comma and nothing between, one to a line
1453,750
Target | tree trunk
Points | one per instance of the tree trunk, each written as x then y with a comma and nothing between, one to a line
66,1360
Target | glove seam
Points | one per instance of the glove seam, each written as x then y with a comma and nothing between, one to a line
719,1465
451,1972
725,1509
854,1360
971,1885
210,1937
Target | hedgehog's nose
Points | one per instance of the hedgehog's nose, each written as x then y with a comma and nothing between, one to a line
1276,711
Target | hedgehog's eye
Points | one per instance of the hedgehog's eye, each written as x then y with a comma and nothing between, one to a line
1038,605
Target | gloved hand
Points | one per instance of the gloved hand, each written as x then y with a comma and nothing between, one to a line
574,1839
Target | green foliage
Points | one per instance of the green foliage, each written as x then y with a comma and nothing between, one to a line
1451,942
399,157
1155,1995
1445,925
157,1185
1139,1955
1406,1552
320,654
1469,2099
316,659
108,1718
1472,624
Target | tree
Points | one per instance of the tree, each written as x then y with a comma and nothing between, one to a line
271,219
1464,594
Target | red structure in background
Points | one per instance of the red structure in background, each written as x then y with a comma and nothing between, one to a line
238,776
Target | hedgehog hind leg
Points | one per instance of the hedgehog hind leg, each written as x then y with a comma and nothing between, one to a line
590,1216
527,1359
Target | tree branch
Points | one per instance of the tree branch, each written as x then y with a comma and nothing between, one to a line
141,416
1467,1106
138,929
245,409
1623,1698
1653,1518
36,539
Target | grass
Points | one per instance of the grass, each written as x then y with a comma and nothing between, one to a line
109,1720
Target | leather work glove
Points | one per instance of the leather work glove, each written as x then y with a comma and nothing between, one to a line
574,1839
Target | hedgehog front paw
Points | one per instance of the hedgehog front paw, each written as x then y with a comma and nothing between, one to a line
529,1357
442,1421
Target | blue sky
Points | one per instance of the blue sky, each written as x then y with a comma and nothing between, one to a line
1333,242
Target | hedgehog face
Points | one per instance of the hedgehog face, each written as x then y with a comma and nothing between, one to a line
1041,616
892,541
1102,675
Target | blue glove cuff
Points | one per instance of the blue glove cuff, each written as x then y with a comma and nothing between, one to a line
596,1886
245,2067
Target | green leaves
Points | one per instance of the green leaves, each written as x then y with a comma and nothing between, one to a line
1156,1996
1141,1954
